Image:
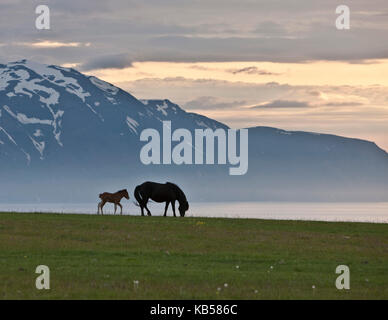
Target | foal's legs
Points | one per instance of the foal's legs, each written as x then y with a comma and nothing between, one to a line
115,207
99,207
173,207
102,204
166,208
121,207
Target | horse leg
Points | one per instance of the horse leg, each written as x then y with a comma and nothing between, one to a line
145,206
102,205
115,208
98,207
166,208
121,207
173,207
142,210
148,210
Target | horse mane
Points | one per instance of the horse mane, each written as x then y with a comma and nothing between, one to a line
178,190
122,191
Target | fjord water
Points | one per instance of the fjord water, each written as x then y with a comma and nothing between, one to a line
320,211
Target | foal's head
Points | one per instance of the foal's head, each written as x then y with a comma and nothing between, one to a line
124,193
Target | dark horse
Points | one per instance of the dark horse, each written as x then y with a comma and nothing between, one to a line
159,192
113,198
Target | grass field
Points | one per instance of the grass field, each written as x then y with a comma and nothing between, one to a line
100,257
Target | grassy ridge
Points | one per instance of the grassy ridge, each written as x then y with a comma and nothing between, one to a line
191,258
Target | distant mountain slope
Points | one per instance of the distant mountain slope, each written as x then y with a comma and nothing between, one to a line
67,136
302,165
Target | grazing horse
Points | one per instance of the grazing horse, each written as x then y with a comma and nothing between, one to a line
113,198
159,192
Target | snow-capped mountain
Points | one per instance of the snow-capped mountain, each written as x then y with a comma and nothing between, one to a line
50,113
65,136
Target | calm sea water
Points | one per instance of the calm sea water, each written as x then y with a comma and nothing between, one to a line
363,212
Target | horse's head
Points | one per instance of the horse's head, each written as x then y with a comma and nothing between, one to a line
125,194
183,207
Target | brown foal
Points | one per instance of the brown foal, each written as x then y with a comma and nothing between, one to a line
114,198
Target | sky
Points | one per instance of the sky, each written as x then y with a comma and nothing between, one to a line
278,63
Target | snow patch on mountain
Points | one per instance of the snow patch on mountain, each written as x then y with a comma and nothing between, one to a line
104,86
38,133
39,146
8,135
162,108
52,74
28,156
132,124
201,124
23,119
112,100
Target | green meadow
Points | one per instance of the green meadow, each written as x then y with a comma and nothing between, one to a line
133,257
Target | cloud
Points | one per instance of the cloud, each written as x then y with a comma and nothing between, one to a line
192,31
252,70
52,44
270,28
183,90
119,61
343,104
202,68
212,103
314,93
282,104
321,43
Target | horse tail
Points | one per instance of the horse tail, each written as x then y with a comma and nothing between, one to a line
137,195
